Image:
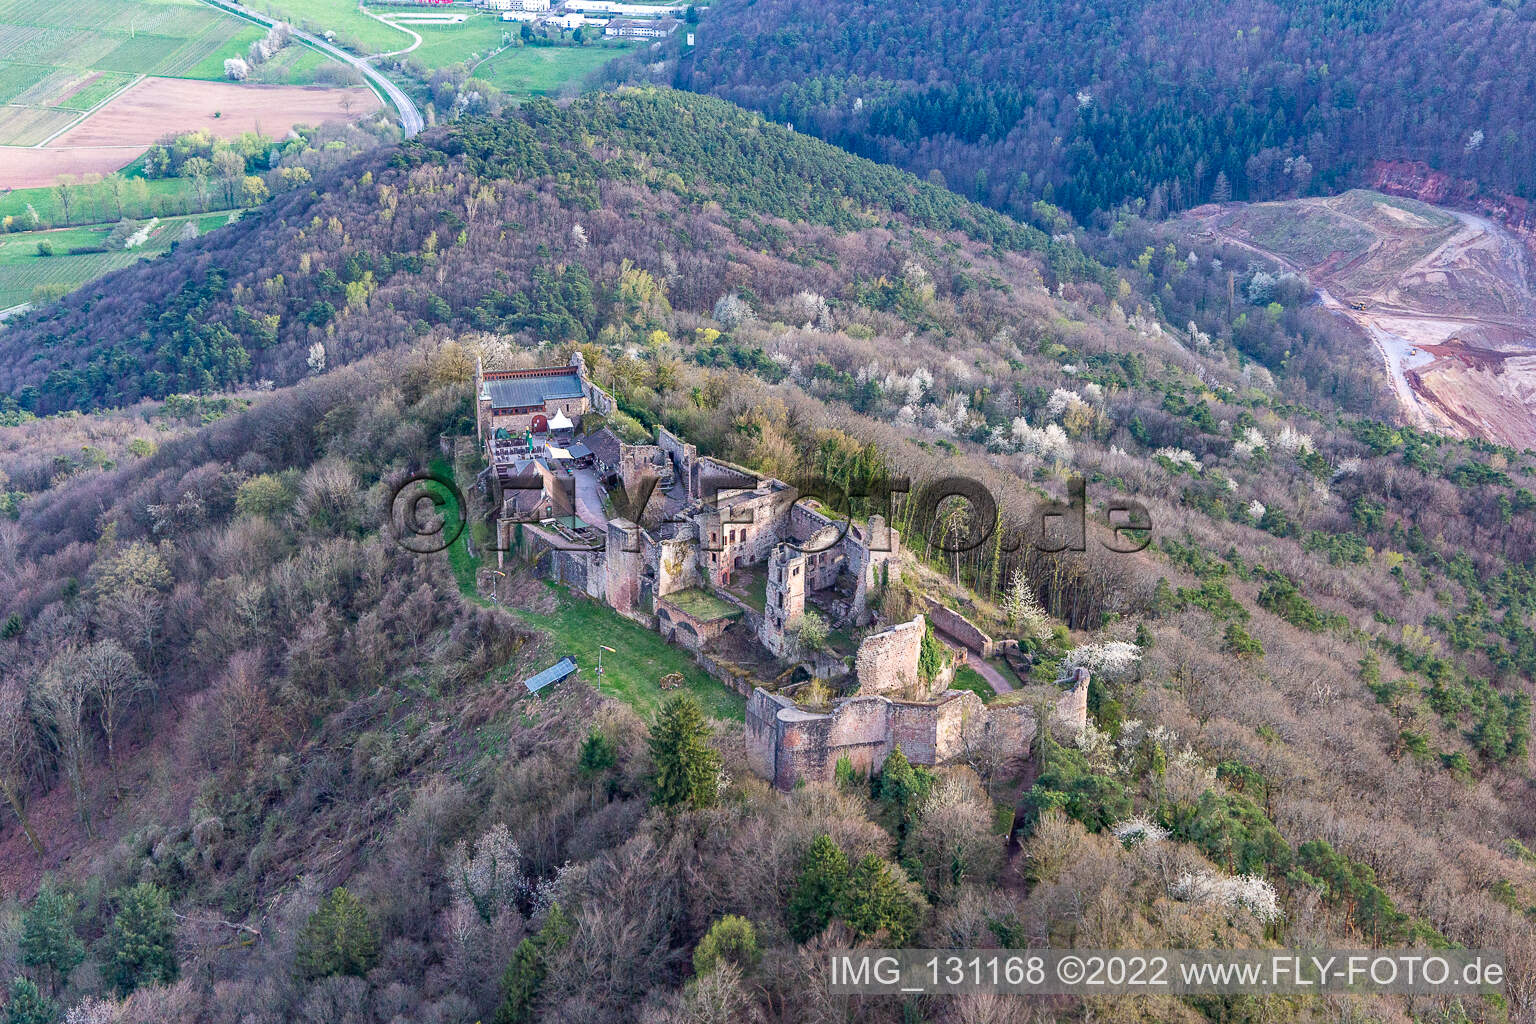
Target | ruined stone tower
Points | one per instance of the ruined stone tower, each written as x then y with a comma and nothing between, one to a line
785,605
624,561
869,551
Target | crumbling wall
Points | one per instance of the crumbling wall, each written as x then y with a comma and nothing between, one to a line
677,565
886,662
682,454
637,461
678,627
784,600
868,549
709,479
624,558
762,729
787,744
1072,707
742,531
959,628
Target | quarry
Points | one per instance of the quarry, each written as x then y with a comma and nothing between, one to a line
1444,296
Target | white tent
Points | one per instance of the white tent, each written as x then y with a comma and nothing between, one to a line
560,421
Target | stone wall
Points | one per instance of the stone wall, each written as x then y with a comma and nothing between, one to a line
886,662
678,627
787,744
682,454
710,479
623,577
677,565
784,597
742,531
959,628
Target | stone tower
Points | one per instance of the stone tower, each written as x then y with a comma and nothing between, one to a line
869,551
785,605
624,561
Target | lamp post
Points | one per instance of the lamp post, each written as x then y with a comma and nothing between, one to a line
600,649
495,587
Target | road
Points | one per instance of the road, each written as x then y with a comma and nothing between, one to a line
411,120
391,24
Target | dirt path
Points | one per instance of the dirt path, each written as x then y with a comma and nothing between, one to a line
994,678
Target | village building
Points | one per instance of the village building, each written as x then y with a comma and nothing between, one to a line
635,28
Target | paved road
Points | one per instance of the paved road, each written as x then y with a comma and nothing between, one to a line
410,116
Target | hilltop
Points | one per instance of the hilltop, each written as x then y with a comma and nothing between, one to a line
1328,636
440,236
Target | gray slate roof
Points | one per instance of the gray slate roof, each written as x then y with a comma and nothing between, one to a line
520,392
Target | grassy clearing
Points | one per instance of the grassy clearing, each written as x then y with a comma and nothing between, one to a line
967,678
545,70
578,625
702,605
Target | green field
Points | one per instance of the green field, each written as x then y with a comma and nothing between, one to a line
57,60
444,45
354,30
545,70
578,625
92,203
22,269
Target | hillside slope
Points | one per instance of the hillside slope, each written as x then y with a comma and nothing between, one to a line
1090,105
445,235
1318,673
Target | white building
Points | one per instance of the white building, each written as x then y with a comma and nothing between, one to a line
616,7
633,28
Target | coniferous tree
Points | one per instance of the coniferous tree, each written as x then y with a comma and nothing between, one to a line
524,976
597,754
687,767
819,889
141,944
48,938
28,1006
879,898
338,938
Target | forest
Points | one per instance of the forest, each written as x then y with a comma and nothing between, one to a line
1090,106
259,763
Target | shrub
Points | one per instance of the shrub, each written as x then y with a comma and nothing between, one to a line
732,940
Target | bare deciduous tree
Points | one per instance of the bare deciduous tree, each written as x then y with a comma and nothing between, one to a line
17,748
61,696
113,679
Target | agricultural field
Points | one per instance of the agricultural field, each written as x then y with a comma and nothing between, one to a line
74,77
74,56
24,271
